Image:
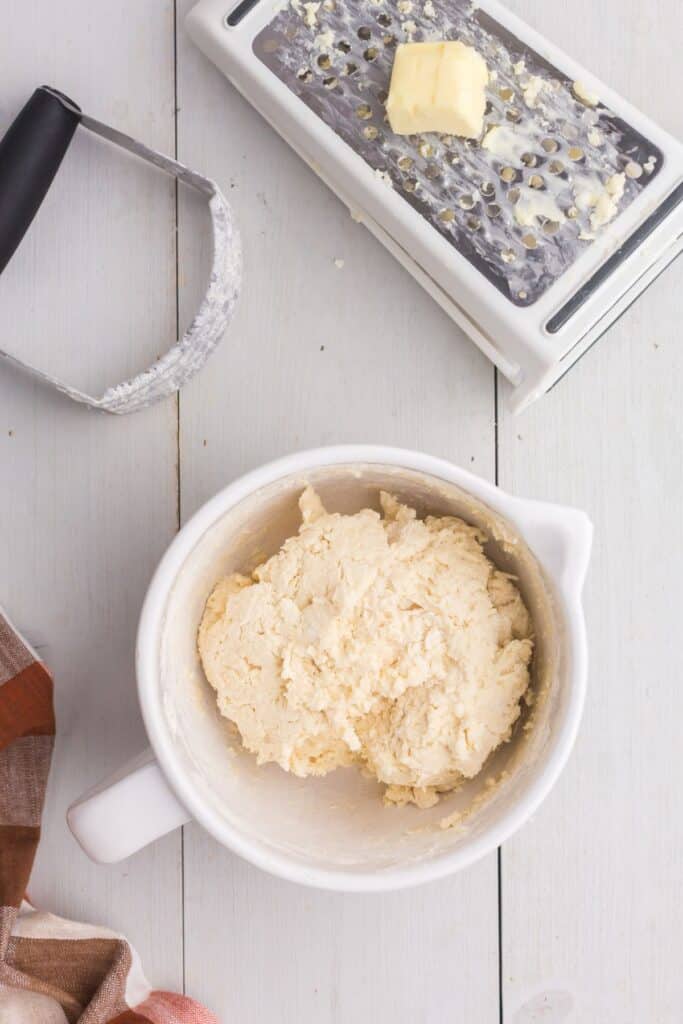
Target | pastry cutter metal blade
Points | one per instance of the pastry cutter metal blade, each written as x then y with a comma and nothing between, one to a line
30,154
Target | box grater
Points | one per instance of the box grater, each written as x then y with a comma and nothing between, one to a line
533,238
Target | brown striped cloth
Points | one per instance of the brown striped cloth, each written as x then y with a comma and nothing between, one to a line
54,971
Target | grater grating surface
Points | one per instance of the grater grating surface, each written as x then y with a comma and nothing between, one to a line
521,206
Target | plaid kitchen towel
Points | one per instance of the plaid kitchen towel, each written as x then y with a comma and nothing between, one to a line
54,971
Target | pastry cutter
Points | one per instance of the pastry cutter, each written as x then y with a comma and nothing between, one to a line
535,237
30,154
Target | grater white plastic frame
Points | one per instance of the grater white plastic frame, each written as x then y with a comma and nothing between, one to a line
515,339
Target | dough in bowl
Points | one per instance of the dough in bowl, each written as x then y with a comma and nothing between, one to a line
384,641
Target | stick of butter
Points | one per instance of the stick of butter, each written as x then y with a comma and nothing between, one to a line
437,87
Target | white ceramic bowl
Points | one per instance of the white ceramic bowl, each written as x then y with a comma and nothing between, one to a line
334,832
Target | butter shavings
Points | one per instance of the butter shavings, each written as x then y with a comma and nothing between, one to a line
311,15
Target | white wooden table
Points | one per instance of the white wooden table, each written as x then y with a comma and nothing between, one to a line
579,918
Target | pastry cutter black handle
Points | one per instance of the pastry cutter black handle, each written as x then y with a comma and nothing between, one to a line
30,154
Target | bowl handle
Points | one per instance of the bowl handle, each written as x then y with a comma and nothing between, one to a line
126,811
562,538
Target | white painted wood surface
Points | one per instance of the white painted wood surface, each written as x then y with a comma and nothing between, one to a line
88,501
318,355
590,889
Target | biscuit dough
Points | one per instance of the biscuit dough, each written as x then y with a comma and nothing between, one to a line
384,641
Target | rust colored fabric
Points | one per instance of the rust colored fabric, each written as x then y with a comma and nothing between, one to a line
50,968
26,705
18,846
26,719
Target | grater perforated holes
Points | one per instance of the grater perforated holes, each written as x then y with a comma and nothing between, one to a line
464,191
575,153
572,213
529,241
508,256
382,96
